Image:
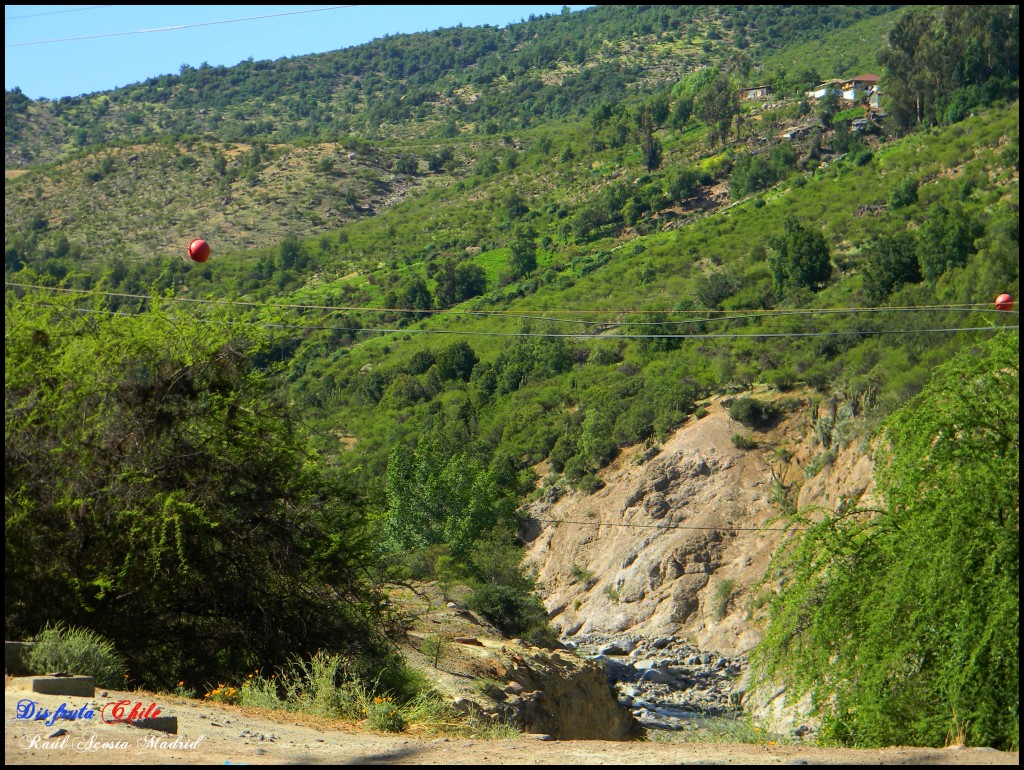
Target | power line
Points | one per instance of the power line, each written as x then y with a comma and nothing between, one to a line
176,27
671,526
578,336
742,315
52,13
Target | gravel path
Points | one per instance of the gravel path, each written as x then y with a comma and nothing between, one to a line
213,734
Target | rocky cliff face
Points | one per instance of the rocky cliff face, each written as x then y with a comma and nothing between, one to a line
559,694
677,542
549,692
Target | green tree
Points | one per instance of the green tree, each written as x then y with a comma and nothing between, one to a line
891,263
800,258
682,109
904,622
946,239
470,281
523,260
290,253
434,498
158,493
827,108
514,206
716,103
416,295
456,362
714,288
940,60
903,194
650,147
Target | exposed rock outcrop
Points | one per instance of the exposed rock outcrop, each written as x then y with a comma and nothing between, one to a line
556,693
566,697
676,544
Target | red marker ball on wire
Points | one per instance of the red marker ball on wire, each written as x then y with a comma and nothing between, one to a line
199,250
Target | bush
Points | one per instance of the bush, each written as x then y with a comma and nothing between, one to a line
382,713
930,582
753,413
504,592
863,157
211,535
720,598
584,576
903,194
589,484
741,441
76,651
781,379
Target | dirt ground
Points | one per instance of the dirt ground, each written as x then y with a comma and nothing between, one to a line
222,735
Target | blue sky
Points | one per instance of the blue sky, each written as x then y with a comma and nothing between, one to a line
113,50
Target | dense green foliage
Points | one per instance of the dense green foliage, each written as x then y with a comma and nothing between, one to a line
457,258
439,498
157,493
77,651
905,621
943,61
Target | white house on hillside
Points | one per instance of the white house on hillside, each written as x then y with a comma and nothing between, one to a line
854,88
831,87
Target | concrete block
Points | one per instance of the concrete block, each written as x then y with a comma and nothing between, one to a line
82,686
165,723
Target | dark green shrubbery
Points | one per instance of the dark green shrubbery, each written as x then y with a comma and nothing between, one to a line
157,494
904,622
76,651
753,413
504,591
742,441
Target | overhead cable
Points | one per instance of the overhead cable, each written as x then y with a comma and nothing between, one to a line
177,27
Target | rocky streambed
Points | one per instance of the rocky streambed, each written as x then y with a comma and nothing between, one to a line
665,682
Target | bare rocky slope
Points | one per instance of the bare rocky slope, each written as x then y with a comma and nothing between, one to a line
670,554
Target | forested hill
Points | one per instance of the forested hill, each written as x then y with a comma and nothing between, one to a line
444,83
457,271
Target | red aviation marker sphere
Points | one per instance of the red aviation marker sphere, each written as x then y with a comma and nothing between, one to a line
1004,302
199,250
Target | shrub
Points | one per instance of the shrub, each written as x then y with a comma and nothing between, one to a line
753,413
820,462
584,576
259,692
720,598
504,591
781,379
212,534
741,441
589,484
382,713
930,582
903,194
79,651
863,157
312,686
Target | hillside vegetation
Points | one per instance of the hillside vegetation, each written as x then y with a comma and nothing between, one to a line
457,270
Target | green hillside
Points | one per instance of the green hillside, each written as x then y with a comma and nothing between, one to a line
455,269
